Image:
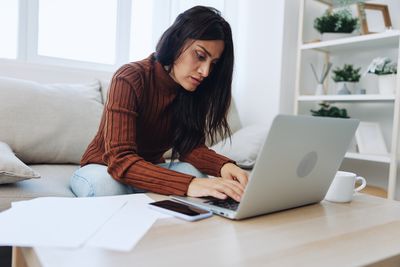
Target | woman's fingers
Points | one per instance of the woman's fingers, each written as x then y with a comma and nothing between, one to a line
232,172
219,188
232,185
217,194
242,177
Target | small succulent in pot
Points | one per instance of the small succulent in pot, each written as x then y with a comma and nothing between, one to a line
346,74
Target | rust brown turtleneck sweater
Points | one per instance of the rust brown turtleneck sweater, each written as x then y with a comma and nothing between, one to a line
135,131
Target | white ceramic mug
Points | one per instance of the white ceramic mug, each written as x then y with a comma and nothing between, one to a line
342,188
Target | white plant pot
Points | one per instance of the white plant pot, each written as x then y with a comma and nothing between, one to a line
387,84
345,88
326,36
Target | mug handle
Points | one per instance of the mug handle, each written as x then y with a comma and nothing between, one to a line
363,183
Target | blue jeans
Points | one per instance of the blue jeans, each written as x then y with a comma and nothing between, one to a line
93,180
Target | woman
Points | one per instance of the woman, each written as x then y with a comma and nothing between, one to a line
174,99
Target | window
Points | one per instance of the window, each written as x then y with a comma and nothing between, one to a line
78,30
151,18
95,34
142,41
8,28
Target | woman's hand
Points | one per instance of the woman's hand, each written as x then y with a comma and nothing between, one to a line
216,187
232,172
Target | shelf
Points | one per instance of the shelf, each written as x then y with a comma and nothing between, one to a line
374,158
388,38
347,98
357,49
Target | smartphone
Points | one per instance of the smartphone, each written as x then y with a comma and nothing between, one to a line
180,210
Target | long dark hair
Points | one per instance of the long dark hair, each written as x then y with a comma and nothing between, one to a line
203,113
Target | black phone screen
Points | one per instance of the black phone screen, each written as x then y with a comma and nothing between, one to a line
179,207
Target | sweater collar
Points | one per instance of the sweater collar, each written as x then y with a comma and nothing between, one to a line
166,82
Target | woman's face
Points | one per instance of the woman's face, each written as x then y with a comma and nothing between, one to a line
196,62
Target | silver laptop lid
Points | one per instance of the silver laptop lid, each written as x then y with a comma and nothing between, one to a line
296,163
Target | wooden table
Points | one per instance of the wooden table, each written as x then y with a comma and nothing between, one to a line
363,232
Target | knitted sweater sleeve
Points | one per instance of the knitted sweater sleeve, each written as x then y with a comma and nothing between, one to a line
206,160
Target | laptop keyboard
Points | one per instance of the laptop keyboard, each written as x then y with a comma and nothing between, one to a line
228,203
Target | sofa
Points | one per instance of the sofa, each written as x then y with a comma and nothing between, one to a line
48,117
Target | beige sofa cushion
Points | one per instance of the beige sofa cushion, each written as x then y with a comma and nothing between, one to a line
11,168
48,123
53,183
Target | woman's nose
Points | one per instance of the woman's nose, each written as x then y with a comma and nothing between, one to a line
204,70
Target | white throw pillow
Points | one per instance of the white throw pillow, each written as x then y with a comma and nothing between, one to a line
11,168
244,146
49,123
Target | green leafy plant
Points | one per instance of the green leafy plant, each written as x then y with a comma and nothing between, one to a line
330,111
337,21
382,66
346,74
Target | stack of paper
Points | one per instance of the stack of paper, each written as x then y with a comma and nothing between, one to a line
116,222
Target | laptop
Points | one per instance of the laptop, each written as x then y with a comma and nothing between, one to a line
295,167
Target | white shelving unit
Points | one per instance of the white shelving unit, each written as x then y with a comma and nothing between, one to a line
374,158
352,45
385,39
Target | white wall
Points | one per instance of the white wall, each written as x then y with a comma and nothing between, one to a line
265,34
258,31
289,56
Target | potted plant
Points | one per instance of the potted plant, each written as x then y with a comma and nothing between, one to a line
327,110
336,24
386,71
346,78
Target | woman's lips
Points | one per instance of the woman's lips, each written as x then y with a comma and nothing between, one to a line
195,81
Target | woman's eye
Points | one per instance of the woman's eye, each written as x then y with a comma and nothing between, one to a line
200,56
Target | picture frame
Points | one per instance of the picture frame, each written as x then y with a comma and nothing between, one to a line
370,140
382,20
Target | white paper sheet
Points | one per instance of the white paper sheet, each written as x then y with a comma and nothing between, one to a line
61,222
116,222
125,229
